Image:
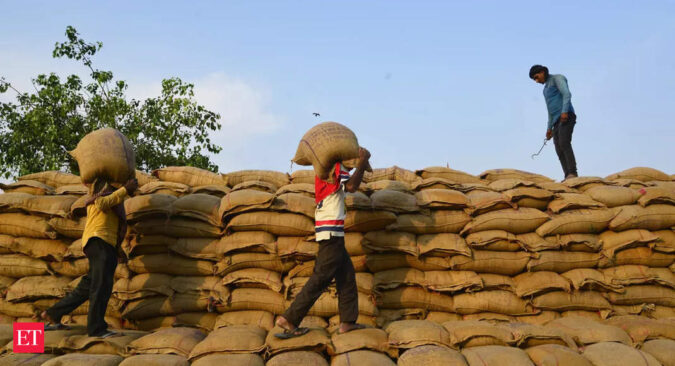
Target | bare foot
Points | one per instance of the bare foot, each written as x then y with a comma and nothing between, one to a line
348,327
285,324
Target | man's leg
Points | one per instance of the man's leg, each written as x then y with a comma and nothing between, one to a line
327,261
345,279
559,148
69,303
566,144
102,264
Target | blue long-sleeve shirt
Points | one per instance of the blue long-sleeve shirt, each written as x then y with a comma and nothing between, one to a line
558,98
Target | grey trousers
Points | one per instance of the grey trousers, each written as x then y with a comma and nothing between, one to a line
562,139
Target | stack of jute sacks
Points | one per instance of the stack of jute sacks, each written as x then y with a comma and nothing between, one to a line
452,269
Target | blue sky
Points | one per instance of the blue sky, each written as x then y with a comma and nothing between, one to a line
422,83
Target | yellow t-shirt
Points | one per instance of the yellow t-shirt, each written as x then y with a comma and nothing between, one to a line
102,221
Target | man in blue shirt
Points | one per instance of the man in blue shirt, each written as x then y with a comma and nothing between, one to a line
561,117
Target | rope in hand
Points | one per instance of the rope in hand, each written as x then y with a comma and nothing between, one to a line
542,148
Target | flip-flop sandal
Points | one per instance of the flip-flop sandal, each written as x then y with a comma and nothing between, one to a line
57,326
355,327
288,334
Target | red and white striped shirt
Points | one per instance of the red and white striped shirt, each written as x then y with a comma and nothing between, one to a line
330,205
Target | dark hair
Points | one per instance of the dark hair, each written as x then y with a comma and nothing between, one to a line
537,69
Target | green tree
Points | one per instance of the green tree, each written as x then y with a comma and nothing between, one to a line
38,129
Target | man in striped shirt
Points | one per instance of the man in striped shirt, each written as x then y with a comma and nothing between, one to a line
332,260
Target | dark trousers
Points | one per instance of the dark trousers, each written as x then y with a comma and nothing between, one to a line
96,286
332,261
562,139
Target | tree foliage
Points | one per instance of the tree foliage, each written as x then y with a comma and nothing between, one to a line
38,129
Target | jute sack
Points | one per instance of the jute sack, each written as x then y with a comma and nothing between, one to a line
560,262
153,324
475,333
666,242
143,285
199,248
27,186
5,282
282,224
520,221
259,318
354,244
275,178
586,331
613,196
296,203
452,281
438,221
334,322
486,261
148,206
243,201
534,283
498,240
497,174
202,286
538,319
306,189
38,205
169,188
304,176
662,312
444,244
198,206
315,340
590,279
370,338
52,178
641,328
656,195
177,228
251,241
578,300
201,320
75,268
37,287
94,345
255,185
555,354
327,305
388,316
393,278
239,261
25,359
405,334
82,359
74,189
155,360
662,350
431,355
179,341
253,299
529,335
232,339
393,173
47,249
293,247
583,221
144,178
613,242
394,201
532,242
324,145
214,190
441,183
357,201
414,298
107,154
17,310
452,175
388,241
18,266
641,294
16,224
585,183
640,173
495,301
254,277
497,282
576,242
639,275
496,356
572,201
502,185
364,221
365,358
441,198
383,262
394,185
71,228
297,358
653,217
489,317
611,353
529,197
230,360
188,175
639,256
136,245
170,264
481,202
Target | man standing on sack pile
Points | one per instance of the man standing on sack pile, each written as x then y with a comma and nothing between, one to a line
561,117
104,231
332,260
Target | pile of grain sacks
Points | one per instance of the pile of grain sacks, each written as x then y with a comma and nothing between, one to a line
452,269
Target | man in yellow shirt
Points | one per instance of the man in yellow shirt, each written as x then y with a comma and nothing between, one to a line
103,232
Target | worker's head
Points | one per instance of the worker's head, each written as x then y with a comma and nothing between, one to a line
539,73
100,186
